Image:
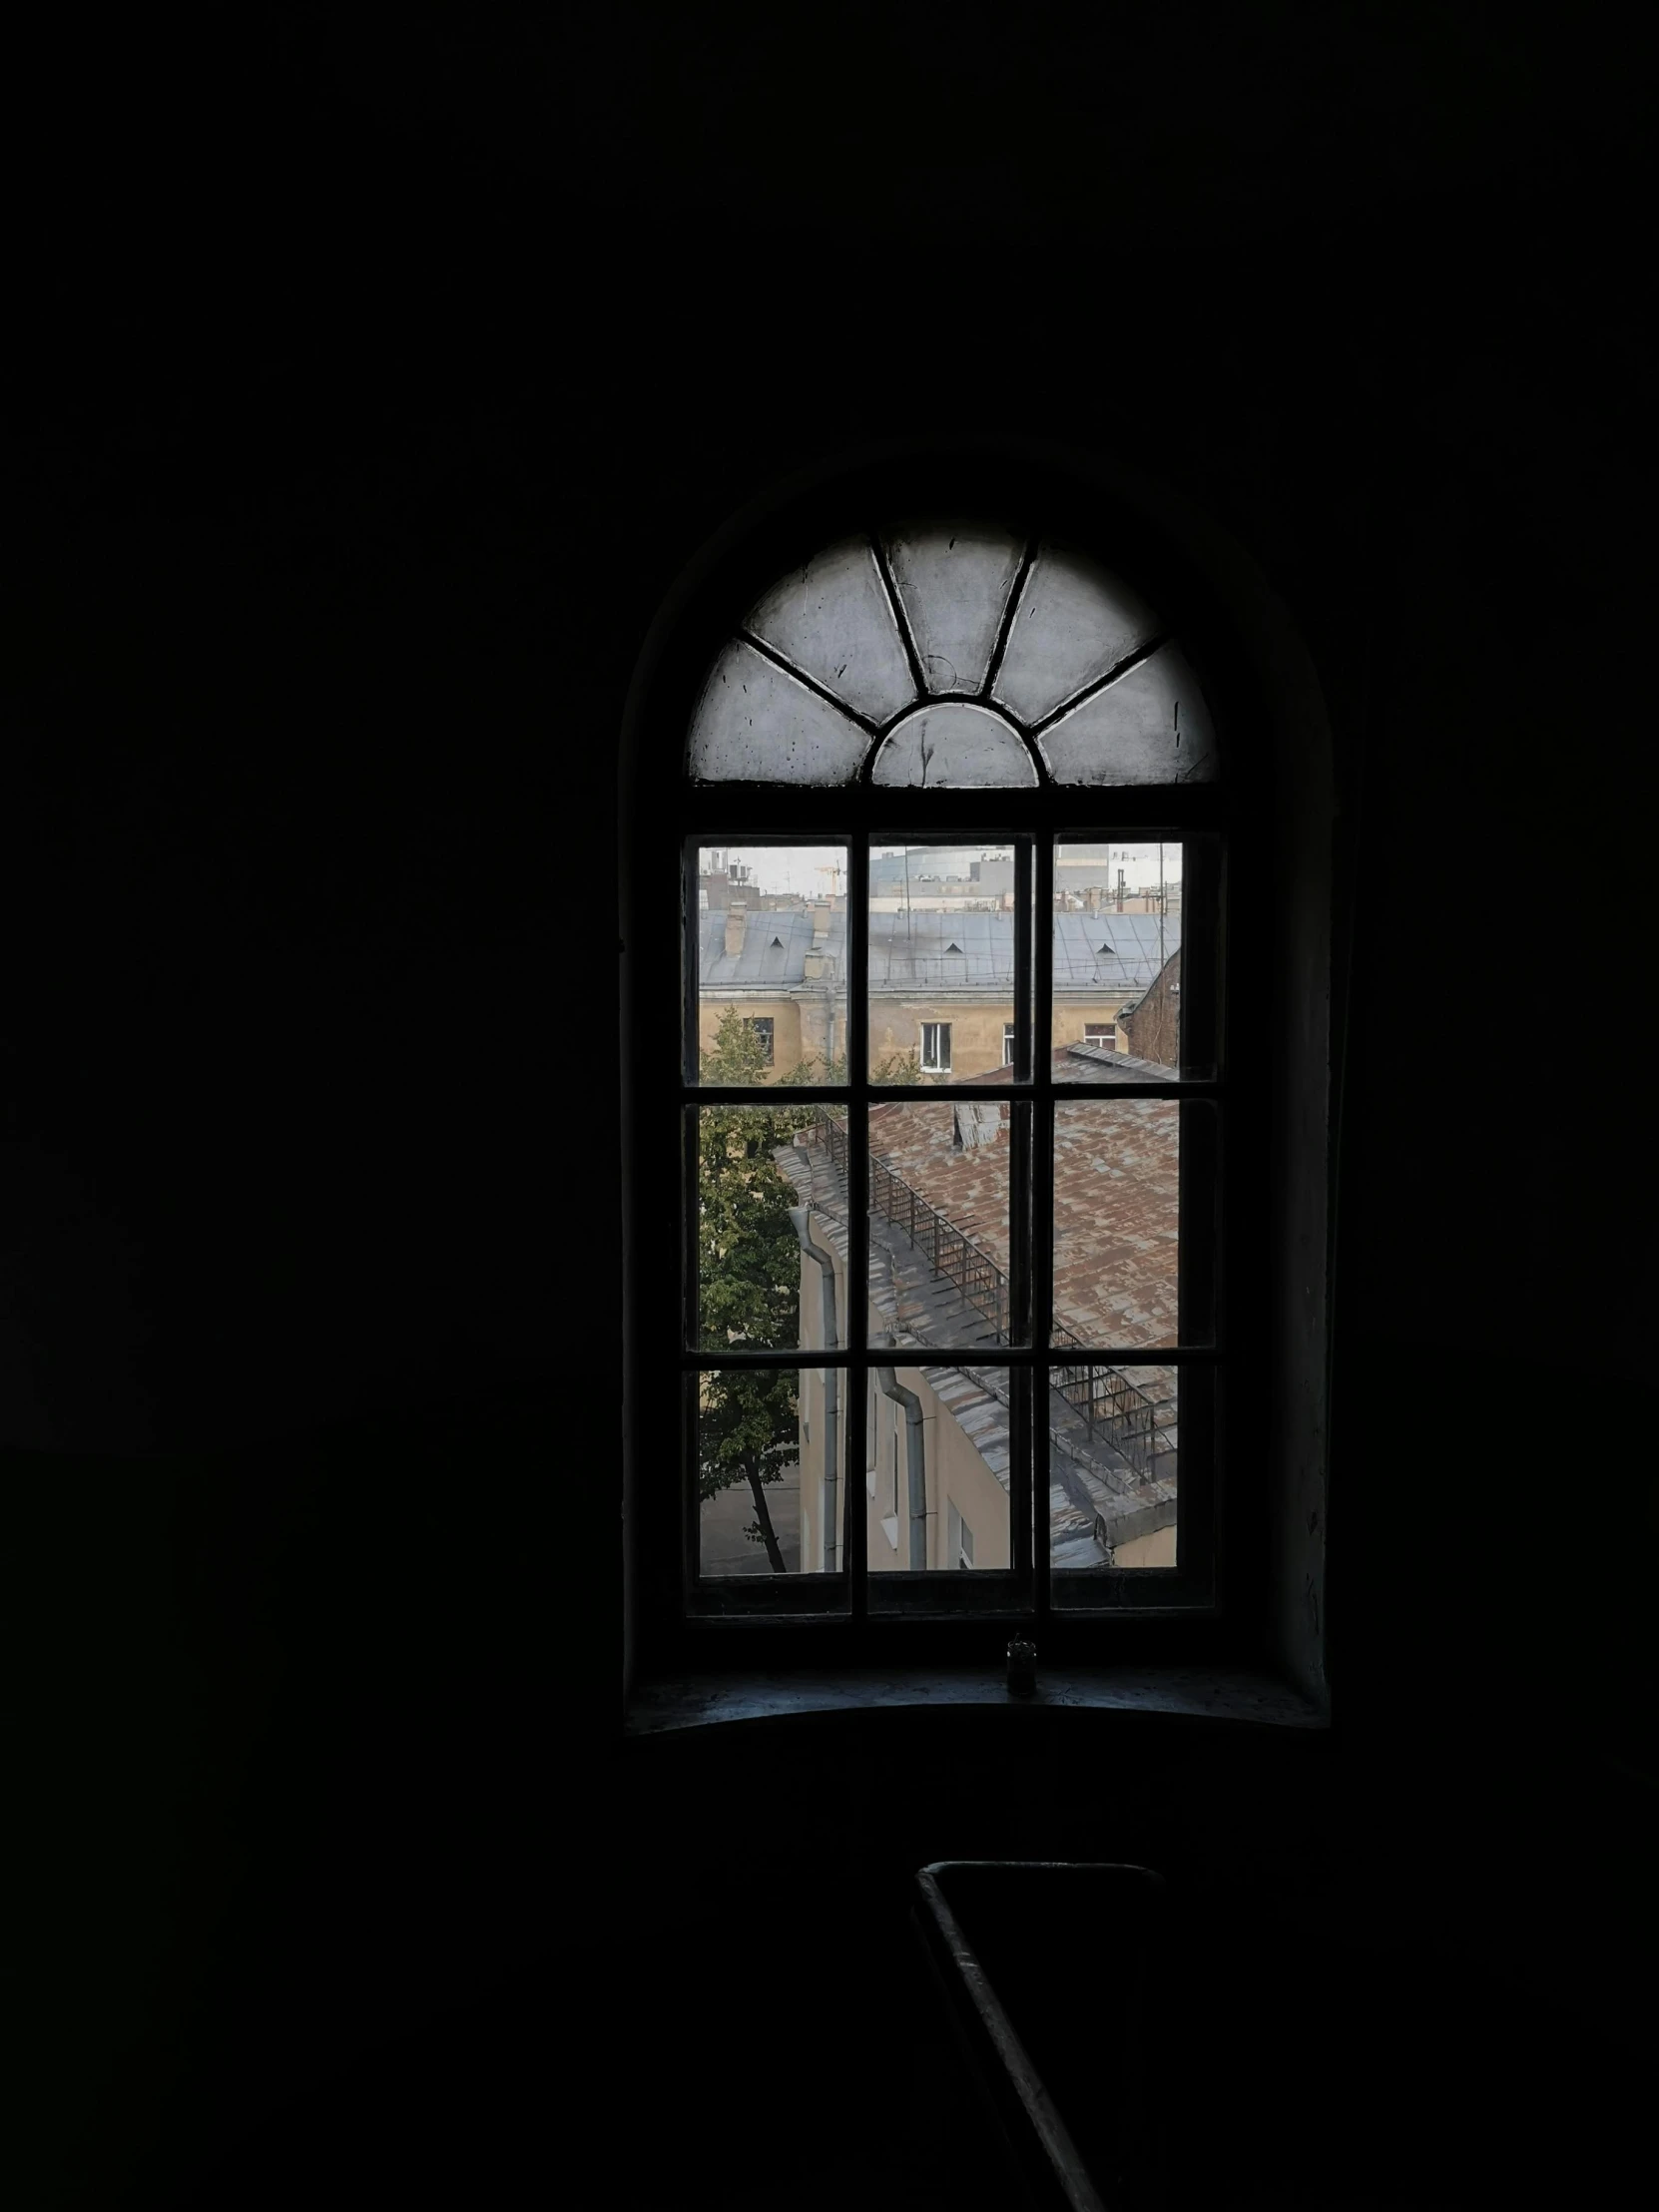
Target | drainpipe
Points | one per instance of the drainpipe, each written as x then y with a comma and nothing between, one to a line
800,1215
891,1387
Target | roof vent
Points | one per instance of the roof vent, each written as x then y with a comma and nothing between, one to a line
953,948
1105,948
777,944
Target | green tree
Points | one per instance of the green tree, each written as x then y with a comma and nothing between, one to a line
898,1067
748,1283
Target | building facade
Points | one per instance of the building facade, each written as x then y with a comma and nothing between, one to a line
1151,1029
941,980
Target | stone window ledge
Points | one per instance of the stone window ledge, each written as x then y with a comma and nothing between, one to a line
1199,1693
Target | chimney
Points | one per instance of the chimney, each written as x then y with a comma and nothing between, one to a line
735,916
1091,898
1120,890
820,912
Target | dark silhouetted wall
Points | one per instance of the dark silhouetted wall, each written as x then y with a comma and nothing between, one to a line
375,391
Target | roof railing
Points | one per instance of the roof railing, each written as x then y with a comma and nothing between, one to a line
953,1257
1110,1404
1112,1408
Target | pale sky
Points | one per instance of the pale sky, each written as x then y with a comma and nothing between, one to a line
794,867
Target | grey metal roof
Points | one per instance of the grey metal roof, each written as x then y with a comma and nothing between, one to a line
1088,1063
759,961
1132,956
929,951
914,951
907,949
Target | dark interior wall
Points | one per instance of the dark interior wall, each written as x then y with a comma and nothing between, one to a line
377,392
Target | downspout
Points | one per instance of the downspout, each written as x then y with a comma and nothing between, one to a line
891,1387
800,1215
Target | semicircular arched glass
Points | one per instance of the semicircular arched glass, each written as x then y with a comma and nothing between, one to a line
946,656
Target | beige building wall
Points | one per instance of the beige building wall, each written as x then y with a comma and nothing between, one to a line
976,1026
799,1026
815,1026
1154,1550
813,1416
957,1475
975,1029
955,1472
1071,1017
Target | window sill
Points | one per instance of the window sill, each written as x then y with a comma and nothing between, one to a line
1198,1693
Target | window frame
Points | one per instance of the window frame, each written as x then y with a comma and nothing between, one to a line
791,527
1020,1594
936,1066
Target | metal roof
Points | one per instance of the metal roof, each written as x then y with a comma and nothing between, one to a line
1116,1191
1112,947
940,951
759,961
1116,1202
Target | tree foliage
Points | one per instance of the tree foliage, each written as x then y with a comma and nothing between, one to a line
898,1067
749,1268
748,1283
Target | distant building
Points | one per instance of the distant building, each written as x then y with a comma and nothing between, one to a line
936,866
1152,1028
941,983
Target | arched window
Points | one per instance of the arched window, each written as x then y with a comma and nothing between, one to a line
943,1210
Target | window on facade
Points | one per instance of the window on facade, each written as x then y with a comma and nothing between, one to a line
907,747
936,1047
958,1538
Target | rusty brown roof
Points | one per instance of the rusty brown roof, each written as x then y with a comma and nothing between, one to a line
1116,1203
1115,1218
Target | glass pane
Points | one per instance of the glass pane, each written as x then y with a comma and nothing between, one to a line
952,745
755,724
942,962
939,1221
749,1261
834,620
771,1487
1151,727
953,585
771,987
936,1492
1113,1445
1117,960
1117,1219
1075,621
